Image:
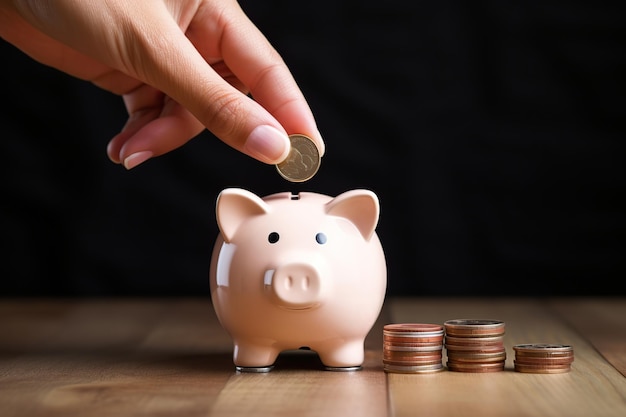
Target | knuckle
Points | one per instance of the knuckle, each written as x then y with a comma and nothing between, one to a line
225,115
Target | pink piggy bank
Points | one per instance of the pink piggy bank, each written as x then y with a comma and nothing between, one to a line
297,271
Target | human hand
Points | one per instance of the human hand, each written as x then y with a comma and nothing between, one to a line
180,66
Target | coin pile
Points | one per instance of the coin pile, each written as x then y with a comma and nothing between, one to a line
475,345
543,358
412,348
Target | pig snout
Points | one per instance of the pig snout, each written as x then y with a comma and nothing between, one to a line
295,286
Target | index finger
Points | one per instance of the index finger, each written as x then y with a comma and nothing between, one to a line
259,67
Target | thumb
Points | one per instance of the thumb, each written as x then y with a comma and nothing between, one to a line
185,76
207,69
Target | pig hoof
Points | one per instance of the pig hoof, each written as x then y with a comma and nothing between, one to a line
254,369
343,368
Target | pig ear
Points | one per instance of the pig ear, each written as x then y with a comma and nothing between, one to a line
360,207
235,205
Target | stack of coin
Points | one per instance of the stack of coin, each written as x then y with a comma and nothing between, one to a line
475,345
543,358
412,348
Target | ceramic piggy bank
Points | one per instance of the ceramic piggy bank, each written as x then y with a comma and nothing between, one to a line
303,271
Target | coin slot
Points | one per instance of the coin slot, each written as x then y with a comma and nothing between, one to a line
295,196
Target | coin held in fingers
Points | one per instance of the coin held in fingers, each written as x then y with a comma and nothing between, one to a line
303,160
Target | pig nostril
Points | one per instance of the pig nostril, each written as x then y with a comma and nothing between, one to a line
305,283
289,282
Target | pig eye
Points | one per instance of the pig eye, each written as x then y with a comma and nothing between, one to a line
273,237
320,238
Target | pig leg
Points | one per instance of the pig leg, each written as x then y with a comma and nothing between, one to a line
254,358
342,355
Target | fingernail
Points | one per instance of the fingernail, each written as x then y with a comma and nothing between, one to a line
321,144
268,144
137,158
112,156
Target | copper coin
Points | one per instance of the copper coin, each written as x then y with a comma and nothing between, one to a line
394,339
422,364
544,355
413,348
494,340
413,342
477,358
541,366
395,355
475,349
413,327
541,369
420,359
543,361
407,337
414,369
413,361
481,367
412,334
410,356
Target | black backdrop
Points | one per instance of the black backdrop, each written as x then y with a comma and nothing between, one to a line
493,135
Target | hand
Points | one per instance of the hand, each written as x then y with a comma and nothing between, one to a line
180,66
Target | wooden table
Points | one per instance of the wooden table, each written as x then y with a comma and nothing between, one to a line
170,357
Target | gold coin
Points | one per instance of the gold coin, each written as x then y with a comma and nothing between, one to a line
303,160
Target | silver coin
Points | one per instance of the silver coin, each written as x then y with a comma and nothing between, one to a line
542,347
303,160
477,323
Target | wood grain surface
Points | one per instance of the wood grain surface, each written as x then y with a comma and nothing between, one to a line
171,357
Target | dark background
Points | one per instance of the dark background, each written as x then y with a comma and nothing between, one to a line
493,134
